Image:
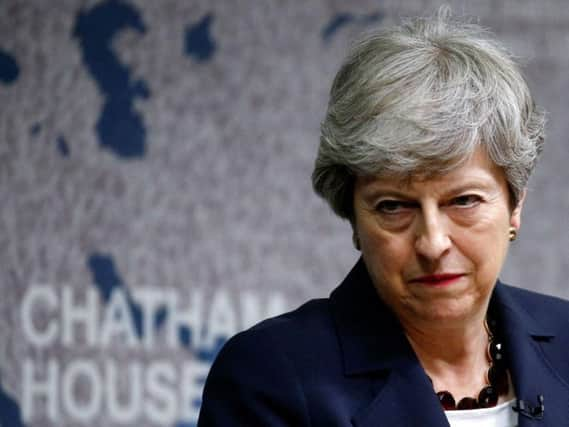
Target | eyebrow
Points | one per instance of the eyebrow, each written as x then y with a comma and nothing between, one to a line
373,193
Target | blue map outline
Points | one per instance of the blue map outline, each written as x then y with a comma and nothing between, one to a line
9,68
198,42
340,20
120,128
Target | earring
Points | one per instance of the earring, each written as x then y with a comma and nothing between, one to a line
513,233
356,241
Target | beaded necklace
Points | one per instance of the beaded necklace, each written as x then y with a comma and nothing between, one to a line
496,378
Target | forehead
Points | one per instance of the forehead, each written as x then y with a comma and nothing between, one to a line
477,170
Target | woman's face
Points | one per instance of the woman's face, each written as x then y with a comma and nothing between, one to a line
434,247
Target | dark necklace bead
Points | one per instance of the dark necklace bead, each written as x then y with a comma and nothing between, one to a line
447,400
496,352
498,377
488,397
467,403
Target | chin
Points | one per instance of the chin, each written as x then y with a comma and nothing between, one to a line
455,313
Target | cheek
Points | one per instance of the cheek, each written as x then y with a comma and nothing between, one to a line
486,248
386,254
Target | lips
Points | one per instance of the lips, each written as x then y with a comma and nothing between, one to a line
437,279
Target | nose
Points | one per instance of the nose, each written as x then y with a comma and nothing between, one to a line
432,235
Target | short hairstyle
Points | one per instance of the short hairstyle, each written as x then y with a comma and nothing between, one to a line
418,99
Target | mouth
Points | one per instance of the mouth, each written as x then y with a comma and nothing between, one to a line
437,280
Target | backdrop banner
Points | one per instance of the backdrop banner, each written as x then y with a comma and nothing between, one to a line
155,161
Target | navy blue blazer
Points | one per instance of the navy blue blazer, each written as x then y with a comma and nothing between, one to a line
345,361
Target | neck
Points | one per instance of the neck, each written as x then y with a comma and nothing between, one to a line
454,357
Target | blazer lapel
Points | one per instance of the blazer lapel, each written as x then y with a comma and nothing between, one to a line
405,399
532,373
375,348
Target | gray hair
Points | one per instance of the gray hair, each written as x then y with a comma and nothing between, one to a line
418,99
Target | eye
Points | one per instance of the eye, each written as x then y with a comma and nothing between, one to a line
392,207
467,201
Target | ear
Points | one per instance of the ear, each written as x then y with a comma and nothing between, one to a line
516,215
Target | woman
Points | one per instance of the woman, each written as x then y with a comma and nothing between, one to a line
430,137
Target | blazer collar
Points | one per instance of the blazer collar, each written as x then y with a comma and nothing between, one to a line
366,327
373,343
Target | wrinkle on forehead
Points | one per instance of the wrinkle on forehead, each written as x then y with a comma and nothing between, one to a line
477,167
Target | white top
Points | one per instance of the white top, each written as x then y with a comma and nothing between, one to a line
501,415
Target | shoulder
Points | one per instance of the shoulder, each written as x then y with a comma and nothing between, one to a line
289,335
548,311
259,375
